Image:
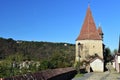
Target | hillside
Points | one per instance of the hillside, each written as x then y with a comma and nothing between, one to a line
38,50
22,57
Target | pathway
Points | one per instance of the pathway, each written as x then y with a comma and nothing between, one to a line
111,74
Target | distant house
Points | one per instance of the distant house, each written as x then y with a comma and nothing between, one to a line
97,64
116,62
19,41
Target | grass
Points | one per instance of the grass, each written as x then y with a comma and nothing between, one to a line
78,75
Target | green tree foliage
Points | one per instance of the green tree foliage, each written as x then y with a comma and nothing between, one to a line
35,50
43,55
115,51
107,55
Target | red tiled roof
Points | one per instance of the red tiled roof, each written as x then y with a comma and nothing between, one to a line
89,31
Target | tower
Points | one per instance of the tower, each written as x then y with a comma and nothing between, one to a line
90,40
119,45
100,32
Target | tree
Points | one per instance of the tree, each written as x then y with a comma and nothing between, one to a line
115,51
107,54
50,55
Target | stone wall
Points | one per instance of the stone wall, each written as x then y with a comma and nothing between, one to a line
51,74
89,48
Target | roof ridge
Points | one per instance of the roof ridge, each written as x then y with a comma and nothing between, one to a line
96,58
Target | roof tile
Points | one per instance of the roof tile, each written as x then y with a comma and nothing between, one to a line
89,30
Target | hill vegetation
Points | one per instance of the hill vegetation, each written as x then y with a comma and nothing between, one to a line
19,57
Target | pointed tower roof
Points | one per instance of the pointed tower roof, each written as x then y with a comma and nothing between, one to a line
89,31
119,45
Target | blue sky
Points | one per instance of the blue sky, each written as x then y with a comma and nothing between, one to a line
57,20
